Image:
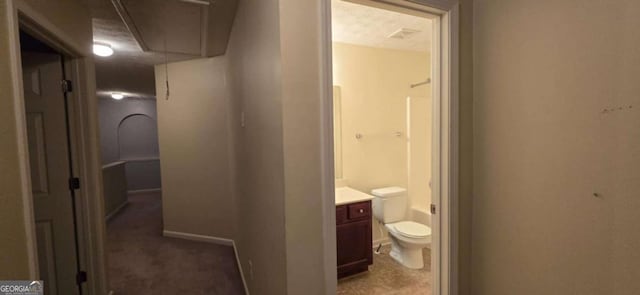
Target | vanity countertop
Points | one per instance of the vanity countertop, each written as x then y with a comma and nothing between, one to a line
347,195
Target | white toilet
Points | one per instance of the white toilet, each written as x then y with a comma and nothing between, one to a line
408,238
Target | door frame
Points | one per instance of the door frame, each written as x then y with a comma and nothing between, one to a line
83,122
445,138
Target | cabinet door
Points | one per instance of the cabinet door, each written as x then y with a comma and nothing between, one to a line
354,246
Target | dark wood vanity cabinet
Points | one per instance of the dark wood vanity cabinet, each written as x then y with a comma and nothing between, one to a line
353,235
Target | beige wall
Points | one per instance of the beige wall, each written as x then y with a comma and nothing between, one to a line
276,85
544,73
249,52
258,57
274,163
68,16
300,63
13,251
193,136
302,106
374,85
72,18
254,60
466,153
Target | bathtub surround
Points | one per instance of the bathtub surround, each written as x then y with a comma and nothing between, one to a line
419,131
376,101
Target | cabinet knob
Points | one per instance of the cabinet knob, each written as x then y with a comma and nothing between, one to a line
361,211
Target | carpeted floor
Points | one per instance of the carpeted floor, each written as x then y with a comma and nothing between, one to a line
387,277
142,261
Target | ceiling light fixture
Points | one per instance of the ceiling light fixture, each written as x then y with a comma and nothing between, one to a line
101,49
117,96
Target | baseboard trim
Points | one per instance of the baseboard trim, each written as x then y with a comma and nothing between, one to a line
244,282
199,238
116,211
213,240
144,191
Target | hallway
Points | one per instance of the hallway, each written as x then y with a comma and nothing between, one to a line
142,261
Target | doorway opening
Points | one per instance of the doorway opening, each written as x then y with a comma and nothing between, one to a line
154,84
395,149
53,179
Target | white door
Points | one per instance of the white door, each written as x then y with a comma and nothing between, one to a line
49,161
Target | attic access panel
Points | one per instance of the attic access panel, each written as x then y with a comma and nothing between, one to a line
179,23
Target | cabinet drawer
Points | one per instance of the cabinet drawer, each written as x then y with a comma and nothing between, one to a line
359,210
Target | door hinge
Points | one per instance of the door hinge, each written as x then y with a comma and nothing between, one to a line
67,86
81,277
433,209
74,183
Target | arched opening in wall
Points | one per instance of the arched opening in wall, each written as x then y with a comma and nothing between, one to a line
138,147
137,137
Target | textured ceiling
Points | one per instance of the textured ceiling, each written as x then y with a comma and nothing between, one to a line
127,51
177,23
368,26
130,69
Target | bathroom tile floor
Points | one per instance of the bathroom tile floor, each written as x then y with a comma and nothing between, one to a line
386,276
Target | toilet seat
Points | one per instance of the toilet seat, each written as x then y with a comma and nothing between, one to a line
411,229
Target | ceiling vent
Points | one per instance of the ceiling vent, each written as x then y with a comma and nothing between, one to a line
403,33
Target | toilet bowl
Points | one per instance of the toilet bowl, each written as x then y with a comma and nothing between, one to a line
408,238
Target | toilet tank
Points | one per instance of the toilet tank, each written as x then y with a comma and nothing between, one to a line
389,204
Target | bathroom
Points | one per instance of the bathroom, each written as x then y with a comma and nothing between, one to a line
383,120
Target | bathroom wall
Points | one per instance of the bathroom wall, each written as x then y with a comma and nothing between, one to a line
374,86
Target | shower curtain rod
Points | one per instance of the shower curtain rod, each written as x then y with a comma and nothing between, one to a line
421,83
